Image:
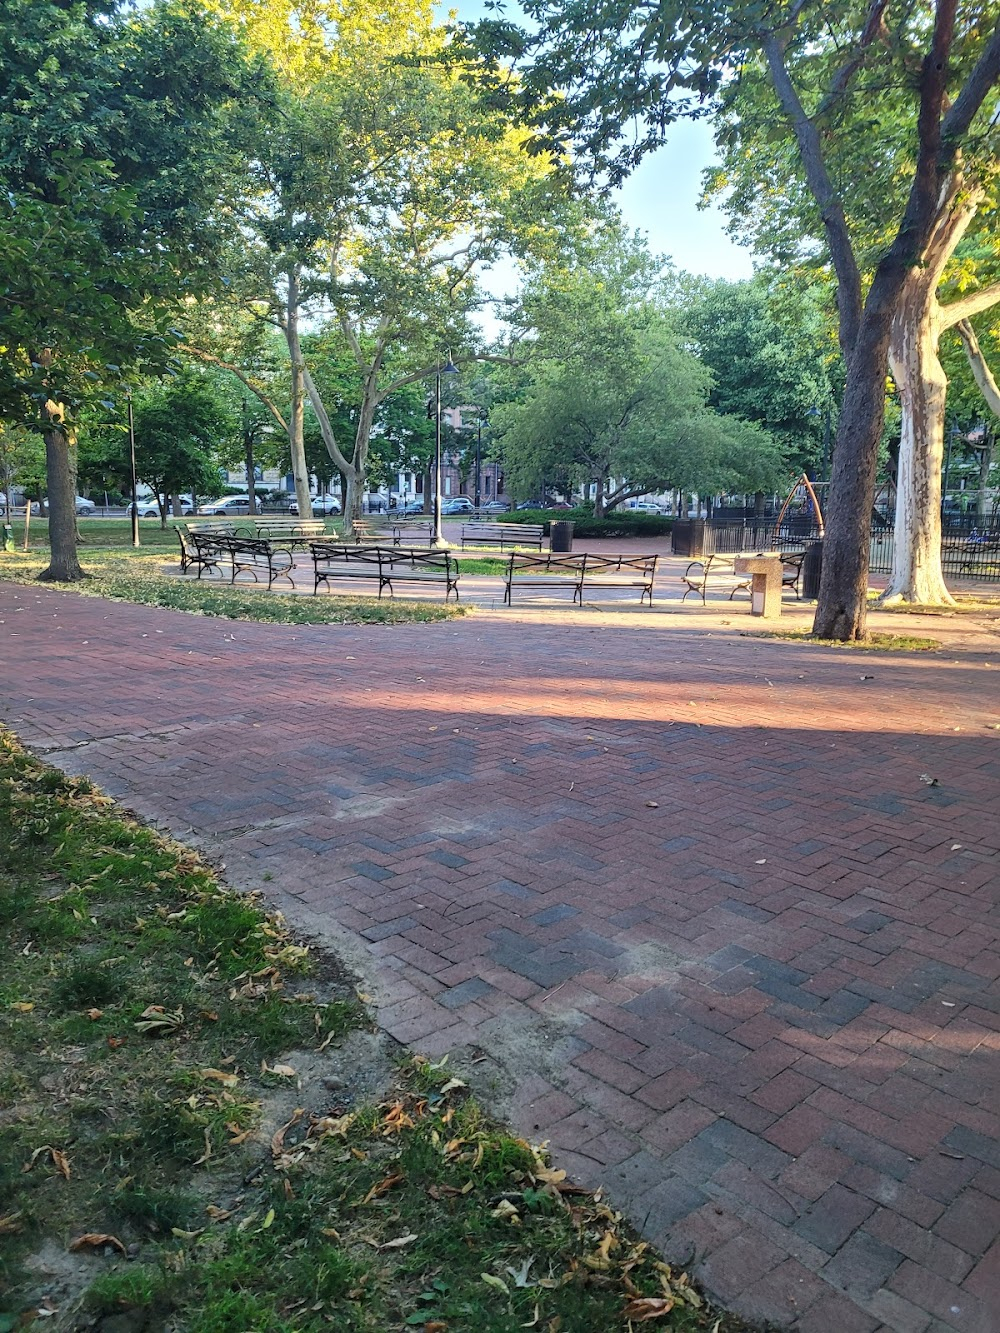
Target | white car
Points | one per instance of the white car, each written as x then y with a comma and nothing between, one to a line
229,504
84,506
321,505
150,509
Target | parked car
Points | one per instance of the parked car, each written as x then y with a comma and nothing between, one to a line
646,507
84,506
411,507
229,504
460,504
497,507
322,505
150,508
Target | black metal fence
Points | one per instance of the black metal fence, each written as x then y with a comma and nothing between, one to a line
970,548
970,543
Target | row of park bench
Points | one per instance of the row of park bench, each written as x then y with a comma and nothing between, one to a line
207,551
210,546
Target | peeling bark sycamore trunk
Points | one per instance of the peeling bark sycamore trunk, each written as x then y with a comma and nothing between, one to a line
914,357
296,440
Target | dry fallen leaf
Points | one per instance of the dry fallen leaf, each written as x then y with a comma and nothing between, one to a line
645,1308
399,1242
58,1159
382,1186
10,1224
284,1071
95,1240
157,1020
220,1076
652,805
95,1014
23,1007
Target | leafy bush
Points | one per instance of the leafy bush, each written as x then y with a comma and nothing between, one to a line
624,524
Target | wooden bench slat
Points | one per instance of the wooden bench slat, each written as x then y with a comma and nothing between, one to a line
387,564
503,535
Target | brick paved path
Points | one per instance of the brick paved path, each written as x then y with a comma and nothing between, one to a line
687,892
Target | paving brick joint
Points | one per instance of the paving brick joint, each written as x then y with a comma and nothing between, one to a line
687,893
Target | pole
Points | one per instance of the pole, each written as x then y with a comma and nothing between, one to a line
131,459
438,536
479,462
248,451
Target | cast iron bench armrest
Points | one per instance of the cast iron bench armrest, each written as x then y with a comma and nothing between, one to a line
716,571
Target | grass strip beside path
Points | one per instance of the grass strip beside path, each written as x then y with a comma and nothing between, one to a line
160,1136
875,642
135,576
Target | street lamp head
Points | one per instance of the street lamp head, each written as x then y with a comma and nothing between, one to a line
449,368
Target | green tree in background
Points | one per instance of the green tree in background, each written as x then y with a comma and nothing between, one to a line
117,142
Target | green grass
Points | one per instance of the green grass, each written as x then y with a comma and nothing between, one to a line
482,564
146,1124
125,575
875,642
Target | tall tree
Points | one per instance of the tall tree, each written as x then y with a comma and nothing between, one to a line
954,276
179,425
772,356
613,63
116,145
386,188
609,396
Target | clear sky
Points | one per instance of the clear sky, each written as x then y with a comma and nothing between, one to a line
661,197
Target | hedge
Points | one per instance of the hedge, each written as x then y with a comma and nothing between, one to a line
615,524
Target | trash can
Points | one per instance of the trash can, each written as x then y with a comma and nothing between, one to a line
561,534
687,537
812,570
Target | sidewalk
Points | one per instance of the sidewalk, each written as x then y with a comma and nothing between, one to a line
685,897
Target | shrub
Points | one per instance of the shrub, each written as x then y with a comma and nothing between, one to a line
615,524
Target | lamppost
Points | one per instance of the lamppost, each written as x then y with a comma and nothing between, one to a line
132,476
449,368
479,456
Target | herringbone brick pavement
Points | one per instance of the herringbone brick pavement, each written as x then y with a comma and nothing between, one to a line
718,916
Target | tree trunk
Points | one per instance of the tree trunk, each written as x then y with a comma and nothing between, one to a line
296,442
842,608
923,386
985,464
64,566
599,496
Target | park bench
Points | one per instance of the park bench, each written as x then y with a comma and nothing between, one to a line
619,571
291,532
503,535
386,565
979,552
716,573
255,556
199,554
545,571
409,527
